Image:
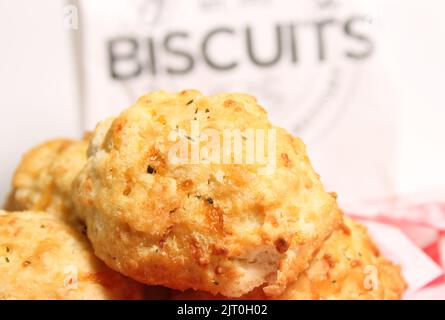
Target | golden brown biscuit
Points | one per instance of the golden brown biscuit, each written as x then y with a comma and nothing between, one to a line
42,181
223,228
348,267
42,257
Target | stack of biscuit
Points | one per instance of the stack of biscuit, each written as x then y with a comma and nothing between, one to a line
118,215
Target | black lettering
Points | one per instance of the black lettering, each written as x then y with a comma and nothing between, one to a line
320,28
349,30
151,64
115,57
274,59
205,54
187,57
293,43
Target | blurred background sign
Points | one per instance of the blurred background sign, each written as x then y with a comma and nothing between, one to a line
360,80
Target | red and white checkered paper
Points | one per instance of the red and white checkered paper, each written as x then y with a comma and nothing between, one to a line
410,230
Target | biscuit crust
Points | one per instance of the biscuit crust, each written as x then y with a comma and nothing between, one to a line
348,267
221,228
42,181
44,258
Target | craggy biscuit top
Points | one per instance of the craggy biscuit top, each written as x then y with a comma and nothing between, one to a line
224,227
349,267
43,179
42,257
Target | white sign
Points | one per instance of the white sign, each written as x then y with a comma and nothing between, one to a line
315,65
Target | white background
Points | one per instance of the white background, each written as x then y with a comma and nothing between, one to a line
37,74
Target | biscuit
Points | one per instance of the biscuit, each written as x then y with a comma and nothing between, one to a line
225,227
44,258
348,267
42,181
